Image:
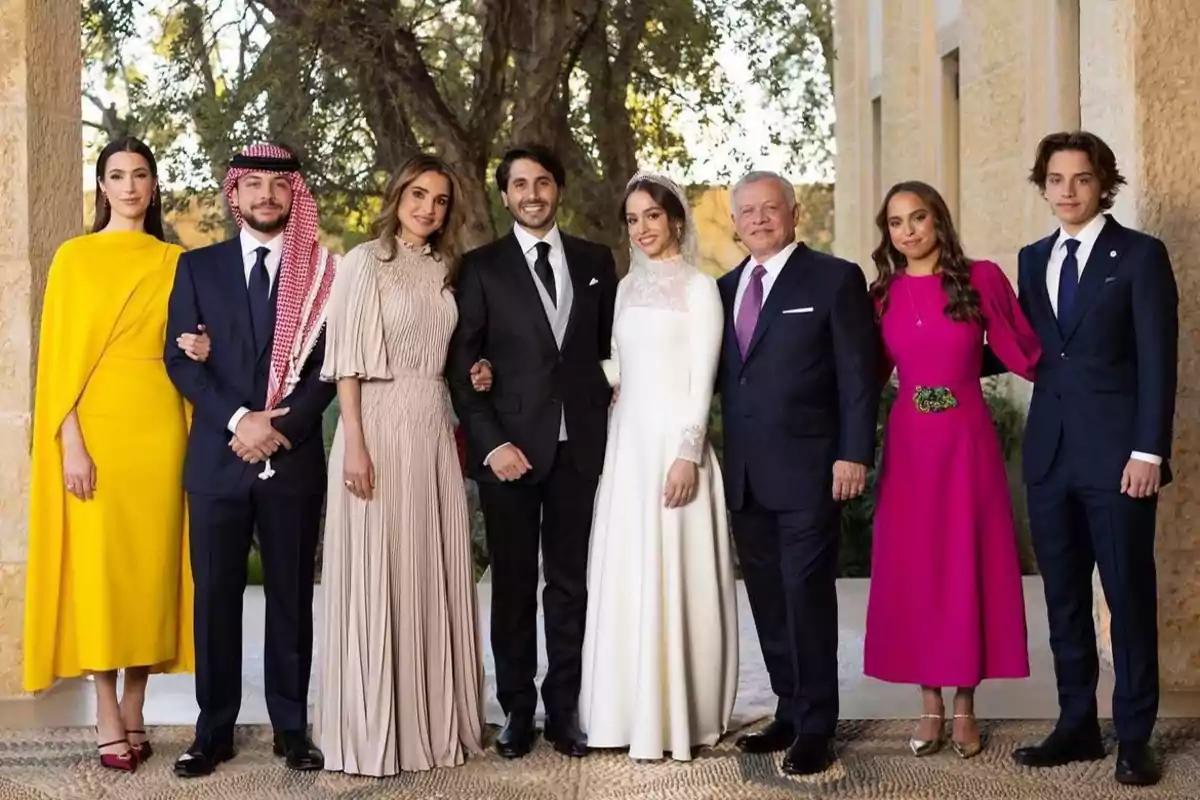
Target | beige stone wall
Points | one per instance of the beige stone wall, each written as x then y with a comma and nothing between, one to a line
40,194
911,110
1166,89
1138,92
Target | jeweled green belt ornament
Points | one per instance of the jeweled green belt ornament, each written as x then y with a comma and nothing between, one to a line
932,399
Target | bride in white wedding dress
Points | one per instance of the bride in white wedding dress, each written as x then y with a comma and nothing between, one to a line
660,650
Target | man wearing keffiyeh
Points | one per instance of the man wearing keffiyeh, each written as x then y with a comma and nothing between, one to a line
256,460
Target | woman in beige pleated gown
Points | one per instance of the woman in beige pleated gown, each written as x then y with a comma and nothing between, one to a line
401,676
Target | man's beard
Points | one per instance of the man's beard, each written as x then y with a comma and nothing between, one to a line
262,226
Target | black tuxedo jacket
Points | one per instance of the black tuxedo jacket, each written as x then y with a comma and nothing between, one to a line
210,290
535,382
807,392
1105,385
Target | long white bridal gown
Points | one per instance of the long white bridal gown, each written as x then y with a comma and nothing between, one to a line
660,651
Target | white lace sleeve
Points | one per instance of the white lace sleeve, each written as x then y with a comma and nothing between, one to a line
612,364
705,323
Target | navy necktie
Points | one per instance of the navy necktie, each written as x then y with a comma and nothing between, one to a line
1068,282
541,266
260,298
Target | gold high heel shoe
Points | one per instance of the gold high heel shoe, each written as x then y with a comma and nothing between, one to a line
967,750
920,747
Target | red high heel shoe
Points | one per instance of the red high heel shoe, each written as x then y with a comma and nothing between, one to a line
122,762
142,750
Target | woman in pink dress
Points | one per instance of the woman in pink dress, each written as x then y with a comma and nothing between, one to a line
946,607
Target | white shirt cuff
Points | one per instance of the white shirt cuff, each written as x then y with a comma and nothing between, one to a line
1147,457
236,418
489,455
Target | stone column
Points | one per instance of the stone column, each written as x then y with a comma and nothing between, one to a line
911,92
853,192
1140,89
1018,83
40,197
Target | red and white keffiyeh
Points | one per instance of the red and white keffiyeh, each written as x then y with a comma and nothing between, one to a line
306,269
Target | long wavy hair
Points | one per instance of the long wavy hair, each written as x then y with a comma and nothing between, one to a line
444,242
153,222
962,299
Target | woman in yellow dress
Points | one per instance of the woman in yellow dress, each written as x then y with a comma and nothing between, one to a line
109,586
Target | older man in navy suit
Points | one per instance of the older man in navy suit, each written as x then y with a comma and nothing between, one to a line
800,393
1103,300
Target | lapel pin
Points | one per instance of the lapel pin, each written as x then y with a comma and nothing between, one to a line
1112,254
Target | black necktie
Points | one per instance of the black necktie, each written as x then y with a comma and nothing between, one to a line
1068,282
260,298
541,266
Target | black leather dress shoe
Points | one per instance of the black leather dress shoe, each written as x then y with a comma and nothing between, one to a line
1136,765
202,759
776,737
566,736
1062,747
516,737
298,751
808,755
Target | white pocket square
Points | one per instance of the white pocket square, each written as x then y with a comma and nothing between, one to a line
805,310
1110,279
593,282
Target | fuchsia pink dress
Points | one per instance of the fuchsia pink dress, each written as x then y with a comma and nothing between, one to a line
946,606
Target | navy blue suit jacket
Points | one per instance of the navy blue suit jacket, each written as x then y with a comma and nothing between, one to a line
807,393
1105,386
210,290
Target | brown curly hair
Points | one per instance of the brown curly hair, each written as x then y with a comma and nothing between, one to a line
1099,154
962,299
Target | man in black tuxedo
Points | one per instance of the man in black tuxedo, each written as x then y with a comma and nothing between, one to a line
1104,303
800,393
255,459
538,305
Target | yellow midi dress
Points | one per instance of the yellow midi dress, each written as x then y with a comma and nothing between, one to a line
109,585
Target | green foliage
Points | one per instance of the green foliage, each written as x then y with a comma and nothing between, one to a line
357,87
254,566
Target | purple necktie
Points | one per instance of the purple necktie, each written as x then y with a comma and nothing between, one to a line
747,316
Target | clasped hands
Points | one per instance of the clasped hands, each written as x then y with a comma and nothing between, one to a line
255,439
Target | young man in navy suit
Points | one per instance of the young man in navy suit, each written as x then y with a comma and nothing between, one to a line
1104,303
255,461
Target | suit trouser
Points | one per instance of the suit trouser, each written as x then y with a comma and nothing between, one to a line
558,511
221,528
1075,528
789,565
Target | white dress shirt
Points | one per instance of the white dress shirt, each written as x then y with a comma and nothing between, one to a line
559,312
773,265
249,258
1087,241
